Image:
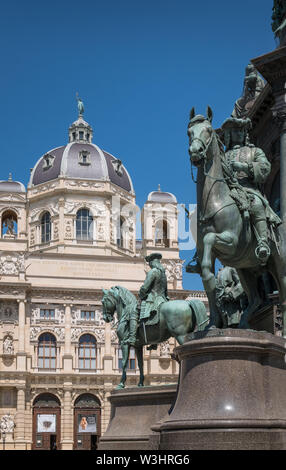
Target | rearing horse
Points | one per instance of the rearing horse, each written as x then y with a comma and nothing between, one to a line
222,232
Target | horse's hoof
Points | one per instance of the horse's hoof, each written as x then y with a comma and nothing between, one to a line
120,386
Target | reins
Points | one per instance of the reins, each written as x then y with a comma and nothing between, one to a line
228,176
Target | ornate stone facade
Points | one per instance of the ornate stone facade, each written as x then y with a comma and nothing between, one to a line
73,237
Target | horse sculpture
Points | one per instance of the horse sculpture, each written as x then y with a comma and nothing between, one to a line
222,232
177,318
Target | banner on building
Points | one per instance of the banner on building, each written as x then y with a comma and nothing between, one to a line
86,423
46,423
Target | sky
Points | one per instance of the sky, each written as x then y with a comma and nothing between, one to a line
139,67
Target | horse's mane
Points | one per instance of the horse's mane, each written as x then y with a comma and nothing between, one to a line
127,297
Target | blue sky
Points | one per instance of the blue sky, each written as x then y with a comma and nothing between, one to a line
139,67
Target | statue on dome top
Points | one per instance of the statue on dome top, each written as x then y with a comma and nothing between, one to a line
80,105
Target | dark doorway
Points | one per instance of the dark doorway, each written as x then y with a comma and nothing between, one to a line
93,442
53,442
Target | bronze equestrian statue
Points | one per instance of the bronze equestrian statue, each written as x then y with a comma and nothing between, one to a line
158,320
234,219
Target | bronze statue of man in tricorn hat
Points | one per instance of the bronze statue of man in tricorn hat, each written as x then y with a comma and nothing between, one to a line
152,293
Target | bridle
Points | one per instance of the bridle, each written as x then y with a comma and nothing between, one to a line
204,157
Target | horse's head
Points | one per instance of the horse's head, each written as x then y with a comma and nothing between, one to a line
109,305
200,134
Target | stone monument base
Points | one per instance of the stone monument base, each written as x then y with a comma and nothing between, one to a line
133,411
231,393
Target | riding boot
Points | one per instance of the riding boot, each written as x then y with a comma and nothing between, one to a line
132,332
263,250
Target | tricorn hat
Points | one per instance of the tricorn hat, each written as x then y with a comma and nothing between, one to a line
153,256
236,123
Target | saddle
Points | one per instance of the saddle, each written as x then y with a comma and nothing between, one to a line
154,317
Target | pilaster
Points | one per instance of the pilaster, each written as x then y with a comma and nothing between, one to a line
20,419
67,420
21,354
67,357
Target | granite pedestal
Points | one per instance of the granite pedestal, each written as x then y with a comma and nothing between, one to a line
133,411
231,393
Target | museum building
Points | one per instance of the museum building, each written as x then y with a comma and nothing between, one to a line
68,235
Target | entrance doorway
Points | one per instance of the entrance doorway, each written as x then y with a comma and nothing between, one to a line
87,422
46,422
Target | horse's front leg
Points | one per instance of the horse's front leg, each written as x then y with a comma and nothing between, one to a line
139,355
210,241
125,356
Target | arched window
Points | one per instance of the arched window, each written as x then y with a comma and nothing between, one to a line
161,233
9,224
120,232
46,227
84,225
87,352
47,351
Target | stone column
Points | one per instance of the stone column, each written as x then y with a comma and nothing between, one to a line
61,220
22,318
67,421
21,354
20,419
67,358
107,357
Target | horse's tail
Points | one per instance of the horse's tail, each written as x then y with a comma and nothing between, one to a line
200,312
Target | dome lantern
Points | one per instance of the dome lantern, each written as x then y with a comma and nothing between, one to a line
80,130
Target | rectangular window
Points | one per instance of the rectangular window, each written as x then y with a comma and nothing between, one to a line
81,135
47,314
87,315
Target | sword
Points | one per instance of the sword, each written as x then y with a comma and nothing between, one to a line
144,330
275,240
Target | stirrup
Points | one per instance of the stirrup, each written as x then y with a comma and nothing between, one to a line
262,256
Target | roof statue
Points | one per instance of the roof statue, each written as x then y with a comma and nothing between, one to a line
80,105
278,16
252,86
